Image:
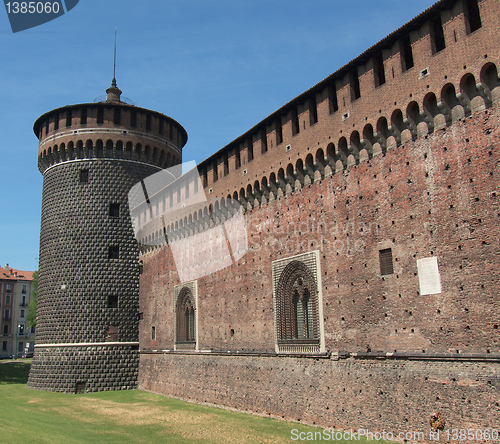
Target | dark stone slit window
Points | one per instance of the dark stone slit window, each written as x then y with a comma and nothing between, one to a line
113,301
84,176
114,210
114,252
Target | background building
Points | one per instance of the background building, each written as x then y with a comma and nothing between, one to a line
16,289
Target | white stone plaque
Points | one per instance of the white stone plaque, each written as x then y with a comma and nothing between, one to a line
428,276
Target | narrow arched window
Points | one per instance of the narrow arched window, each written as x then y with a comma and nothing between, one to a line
185,316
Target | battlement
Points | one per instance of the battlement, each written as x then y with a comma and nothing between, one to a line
434,70
112,130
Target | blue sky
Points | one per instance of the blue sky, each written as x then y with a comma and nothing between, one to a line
217,67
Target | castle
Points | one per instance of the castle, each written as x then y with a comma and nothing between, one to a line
364,292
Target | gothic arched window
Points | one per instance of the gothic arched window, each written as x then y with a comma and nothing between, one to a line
185,316
297,304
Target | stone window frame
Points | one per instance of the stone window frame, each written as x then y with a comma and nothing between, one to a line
185,296
293,278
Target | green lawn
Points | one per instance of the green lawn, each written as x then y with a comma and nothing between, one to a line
34,416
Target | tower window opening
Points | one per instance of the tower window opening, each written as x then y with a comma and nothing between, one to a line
250,150
238,157
56,122
153,333
160,127
332,99
263,139
114,210
226,164
313,110
148,122
295,122
100,114
472,15
438,42
84,176
117,116
379,70
406,54
83,116
215,172
133,118
114,252
47,126
354,81
279,132
69,117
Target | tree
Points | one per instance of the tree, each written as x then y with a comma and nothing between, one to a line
31,316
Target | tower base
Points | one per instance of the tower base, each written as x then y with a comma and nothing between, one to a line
79,368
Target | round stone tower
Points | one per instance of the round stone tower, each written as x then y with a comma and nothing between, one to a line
90,156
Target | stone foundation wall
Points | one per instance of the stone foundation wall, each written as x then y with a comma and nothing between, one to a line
392,395
90,368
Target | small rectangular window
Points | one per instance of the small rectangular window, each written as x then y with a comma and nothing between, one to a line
385,257
8,287
114,252
148,122
153,333
133,118
7,299
114,210
160,127
24,289
20,346
56,122
22,314
6,329
47,122
4,345
117,116
100,114
84,176
112,301
226,164
141,316
83,116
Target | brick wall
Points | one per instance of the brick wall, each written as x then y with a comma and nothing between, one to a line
436,196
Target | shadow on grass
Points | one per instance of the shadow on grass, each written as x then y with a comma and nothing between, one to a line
14,372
